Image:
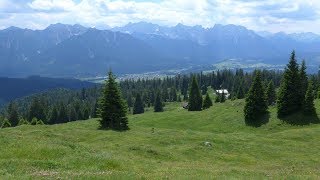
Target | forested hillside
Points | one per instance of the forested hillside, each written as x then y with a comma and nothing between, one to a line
19,87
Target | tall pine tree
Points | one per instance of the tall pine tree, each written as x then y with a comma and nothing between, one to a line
308,105
304,81
36,110
195,97
240,92
13,115
138,105
207,102
271,93
158,106
256,105
289,100
113,110
54,115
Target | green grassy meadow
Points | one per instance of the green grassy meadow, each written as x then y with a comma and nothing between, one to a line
173,150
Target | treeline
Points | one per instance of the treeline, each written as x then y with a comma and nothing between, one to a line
296,93
143,92
52,107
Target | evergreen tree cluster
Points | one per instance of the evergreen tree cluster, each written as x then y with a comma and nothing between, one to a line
53,107
296,93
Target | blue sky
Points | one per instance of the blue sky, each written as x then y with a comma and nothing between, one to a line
260,15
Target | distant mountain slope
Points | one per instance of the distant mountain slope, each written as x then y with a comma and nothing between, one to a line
13,88
97,51
73,50
226,42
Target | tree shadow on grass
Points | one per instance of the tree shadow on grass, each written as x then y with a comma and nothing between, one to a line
260,121
300,119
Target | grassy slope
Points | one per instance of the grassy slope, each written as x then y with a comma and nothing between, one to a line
175,149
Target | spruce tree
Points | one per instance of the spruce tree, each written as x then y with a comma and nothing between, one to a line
13,115
165,94
63,114
308,105
240,92
304,81
138,105
207,102
72,114
129,100
36,109
173,95
271,93
222,97
53,118
204,89
6,123
256,105
158,107
195,97
86,113
113,110
289,100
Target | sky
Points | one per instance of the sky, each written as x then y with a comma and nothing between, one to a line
259,15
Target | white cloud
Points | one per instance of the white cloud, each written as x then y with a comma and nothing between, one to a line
52,5
271,15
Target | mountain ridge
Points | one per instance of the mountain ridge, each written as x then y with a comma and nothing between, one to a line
75,50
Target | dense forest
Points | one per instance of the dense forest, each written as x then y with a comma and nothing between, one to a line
20,87
64,105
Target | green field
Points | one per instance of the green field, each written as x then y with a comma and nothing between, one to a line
175,149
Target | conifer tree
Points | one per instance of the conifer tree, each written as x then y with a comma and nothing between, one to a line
72,114
218,97
204,89
63,114
271,93
289,100
138,105
37,110
256,105
13,115
240,92
53,118
222,97
129,100
308,105
23,122
158,107
304,81
86,113
113,111
165,94
6,123
195,97
94,113
34,121
173,95
207,102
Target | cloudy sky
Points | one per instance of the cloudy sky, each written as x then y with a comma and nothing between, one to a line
261,15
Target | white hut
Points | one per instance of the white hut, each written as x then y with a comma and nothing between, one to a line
223,91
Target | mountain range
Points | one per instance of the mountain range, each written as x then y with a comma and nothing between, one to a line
73,50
